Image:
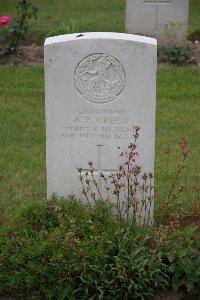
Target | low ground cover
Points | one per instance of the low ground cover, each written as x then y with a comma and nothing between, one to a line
62,250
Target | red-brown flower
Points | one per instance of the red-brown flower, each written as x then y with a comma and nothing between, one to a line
183,147
198,225
194,205
196,188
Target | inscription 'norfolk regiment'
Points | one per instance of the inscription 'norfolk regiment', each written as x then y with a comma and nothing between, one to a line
97,86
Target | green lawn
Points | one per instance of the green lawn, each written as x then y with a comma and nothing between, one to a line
22,135
194,17
64,16
178,110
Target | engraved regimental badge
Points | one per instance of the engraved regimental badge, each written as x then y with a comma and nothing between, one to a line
99,78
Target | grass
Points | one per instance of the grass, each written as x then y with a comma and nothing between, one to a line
63,16
22,135
194,17
80,14
177,117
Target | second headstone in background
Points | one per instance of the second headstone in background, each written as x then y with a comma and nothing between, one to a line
166,20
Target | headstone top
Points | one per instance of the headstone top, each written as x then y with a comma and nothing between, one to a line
100,35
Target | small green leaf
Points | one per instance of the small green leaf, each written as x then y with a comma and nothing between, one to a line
183,252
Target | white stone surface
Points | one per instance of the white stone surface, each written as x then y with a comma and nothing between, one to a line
84,122
166,20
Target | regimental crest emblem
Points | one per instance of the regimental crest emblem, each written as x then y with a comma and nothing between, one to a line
99,78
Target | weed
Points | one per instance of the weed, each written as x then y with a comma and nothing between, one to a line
133,191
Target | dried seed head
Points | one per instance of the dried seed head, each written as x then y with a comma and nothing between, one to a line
145,176
90,163
89,222
93,195
57,208
150,175
84,192
72,221
87,181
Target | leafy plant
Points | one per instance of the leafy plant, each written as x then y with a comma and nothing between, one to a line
17,28
180,248
63,250
42,247
125,270
185,268
176,54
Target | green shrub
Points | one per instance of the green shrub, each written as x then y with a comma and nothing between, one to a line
180,248
177,54
40,246
125,270
63,250
185,267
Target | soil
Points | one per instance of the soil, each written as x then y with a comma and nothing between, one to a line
26,56
31,52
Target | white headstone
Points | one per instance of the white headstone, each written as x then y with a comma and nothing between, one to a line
98,85
166,20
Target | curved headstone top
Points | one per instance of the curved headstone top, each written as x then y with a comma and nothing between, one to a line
100,35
